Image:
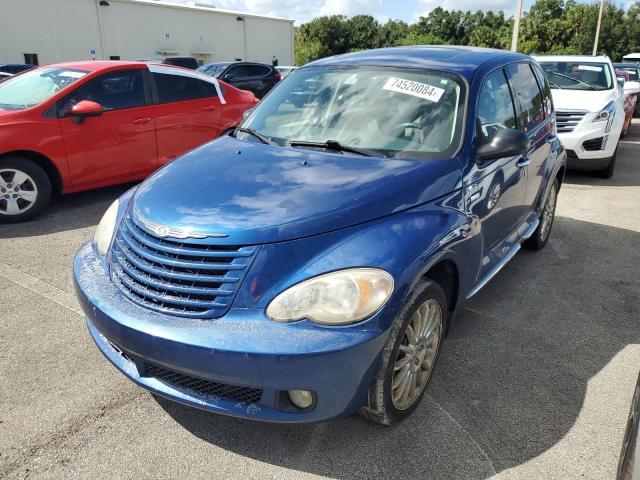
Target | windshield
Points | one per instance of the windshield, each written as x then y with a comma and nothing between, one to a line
578,75
387,111
632,71
35,86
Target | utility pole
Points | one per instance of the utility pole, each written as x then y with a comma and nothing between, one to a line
516,26
595,43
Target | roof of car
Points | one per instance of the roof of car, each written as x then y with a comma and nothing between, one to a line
572,58
93,66
460,59
626,64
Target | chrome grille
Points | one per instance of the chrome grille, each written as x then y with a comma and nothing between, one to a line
566,120
177,277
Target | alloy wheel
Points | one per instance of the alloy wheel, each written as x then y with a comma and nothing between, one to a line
18,192
548,212
416,355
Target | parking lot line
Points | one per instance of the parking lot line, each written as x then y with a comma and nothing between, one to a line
41,288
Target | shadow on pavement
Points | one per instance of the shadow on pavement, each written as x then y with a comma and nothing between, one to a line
510,382
70,212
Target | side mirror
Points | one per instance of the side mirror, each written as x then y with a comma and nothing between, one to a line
85,108
507,142
621,82
229,76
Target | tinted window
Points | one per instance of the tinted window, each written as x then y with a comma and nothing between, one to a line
546,89
178,88
633,73
258,70
238,71
115,90
495,105
528,94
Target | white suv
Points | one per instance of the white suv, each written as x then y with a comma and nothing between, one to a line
589,109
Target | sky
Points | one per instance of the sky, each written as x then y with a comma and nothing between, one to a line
408,10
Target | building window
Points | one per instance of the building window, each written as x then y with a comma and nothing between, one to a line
114,57
31,58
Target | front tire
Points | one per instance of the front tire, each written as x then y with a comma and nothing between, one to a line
607,172
25,189
409,356
539,239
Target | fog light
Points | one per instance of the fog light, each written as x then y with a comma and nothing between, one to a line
301,398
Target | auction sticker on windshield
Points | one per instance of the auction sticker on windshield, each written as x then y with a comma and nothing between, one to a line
411,87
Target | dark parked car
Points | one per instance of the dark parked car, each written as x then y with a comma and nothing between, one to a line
255,77
186,62
308,264
16,67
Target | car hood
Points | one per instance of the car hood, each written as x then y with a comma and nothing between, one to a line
590,100
244,193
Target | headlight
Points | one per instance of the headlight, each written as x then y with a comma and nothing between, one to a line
336,298
104,232
606,114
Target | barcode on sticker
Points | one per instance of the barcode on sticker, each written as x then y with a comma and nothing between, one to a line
411,87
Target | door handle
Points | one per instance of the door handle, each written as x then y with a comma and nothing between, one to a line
209,108
551,138
523,162
140,121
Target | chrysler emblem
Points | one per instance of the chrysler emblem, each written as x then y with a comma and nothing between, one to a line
164,231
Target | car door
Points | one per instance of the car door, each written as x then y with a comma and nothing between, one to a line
238,76
187,111
121,142
537,122
495,190
262,80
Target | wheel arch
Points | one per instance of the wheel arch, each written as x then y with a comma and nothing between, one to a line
445,273
47,165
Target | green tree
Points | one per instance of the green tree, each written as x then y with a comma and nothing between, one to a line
364,32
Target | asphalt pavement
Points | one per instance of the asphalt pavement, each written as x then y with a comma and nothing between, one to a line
534,380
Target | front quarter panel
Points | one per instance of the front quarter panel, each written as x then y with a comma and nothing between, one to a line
405,244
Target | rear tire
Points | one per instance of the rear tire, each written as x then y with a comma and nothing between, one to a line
408,359
25,189
539,239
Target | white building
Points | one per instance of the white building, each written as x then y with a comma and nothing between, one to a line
47,31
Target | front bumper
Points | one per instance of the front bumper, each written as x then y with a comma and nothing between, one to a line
586,135
243,349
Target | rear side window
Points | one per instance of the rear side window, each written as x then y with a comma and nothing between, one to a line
179,88
495,105
258,71
547,99
114,91
528,94
239,71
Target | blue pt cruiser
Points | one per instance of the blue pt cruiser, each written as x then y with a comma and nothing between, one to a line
308,264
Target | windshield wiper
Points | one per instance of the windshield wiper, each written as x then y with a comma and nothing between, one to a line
332,145
555,85
259,136
591,87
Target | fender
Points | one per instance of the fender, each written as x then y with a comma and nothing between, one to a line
406,244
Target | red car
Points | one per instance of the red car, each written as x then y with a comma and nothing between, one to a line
76,126
629,103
